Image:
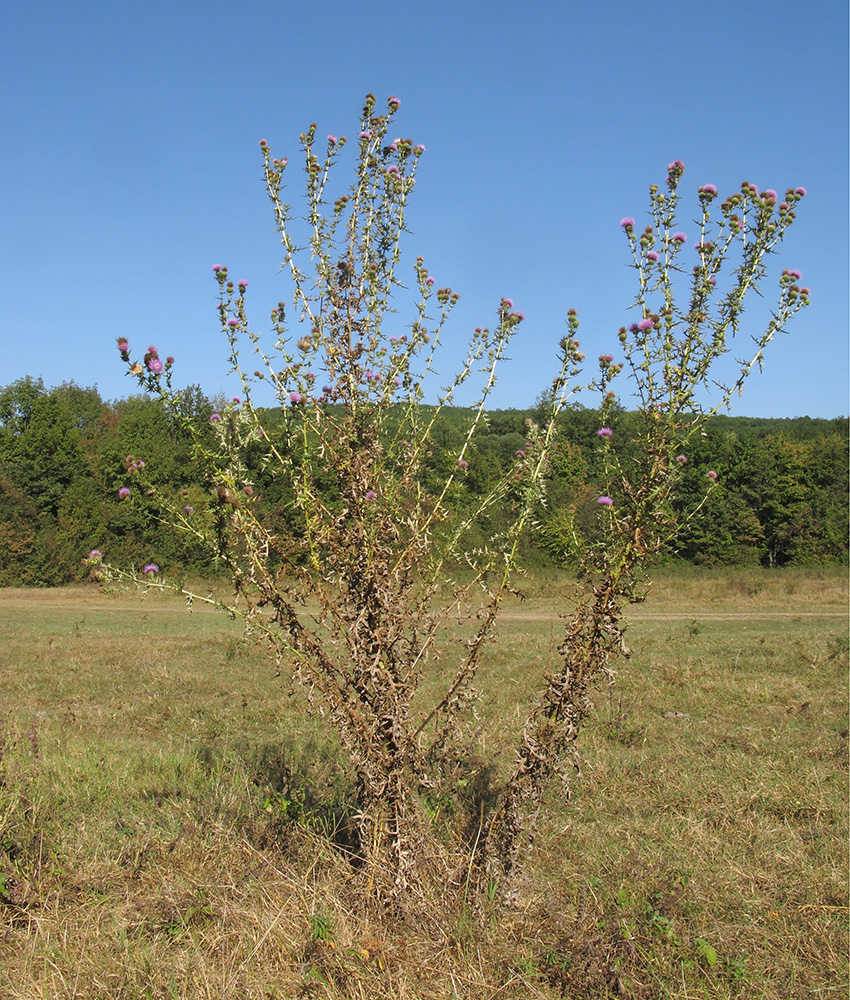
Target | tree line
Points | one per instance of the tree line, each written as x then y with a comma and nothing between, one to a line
780,496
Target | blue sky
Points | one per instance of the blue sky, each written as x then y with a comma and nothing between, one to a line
131,165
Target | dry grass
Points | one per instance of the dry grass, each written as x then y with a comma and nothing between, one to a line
168,812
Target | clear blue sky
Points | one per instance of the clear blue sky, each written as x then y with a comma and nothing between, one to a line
131,164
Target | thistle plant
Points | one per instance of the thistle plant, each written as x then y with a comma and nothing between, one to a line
353,579
353,586
670,354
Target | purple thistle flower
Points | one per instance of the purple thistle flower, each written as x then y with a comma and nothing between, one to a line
801,191
680,238
233,322
295,397
371,495
237,400
429,281
604,432
124,492
770,193
675,167
156,366
520,316
189,509
123,345
605,501
216,267
397,382
215,418
328,389
96,554
462,463
796,275
331,140
242,284
419,149
652,255
681,459
627,223
709,190
151,568
520,453
711,474
394,102
645,323
365,134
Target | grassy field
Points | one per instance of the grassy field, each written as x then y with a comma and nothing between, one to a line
166,805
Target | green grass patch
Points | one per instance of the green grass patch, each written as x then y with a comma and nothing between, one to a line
173,823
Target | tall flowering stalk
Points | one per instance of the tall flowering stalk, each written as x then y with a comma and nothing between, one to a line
670,353
345,592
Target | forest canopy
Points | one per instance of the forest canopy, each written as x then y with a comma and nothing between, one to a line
66,466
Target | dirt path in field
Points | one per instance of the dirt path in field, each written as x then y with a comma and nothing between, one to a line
84,600
672,616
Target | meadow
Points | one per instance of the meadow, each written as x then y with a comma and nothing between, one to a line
174,822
